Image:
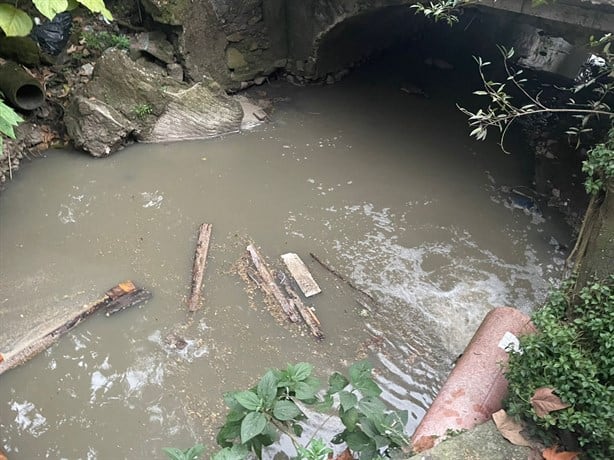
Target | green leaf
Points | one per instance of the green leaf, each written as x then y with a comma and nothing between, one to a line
300,371
72,4
347,400
306,390
372,408
194,452
286,410
267,388
236,452
228,433
358,441
349,419
249,400
173,453
252,425
336,383
368,387
50,8
297,429
326,404
14,22
97,6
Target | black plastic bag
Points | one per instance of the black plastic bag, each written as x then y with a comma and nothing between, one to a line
53,36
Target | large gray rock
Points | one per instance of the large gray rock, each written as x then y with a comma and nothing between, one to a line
128,100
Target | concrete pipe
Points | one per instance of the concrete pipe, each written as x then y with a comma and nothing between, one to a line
21,89
476,386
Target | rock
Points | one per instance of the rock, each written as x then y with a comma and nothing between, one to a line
235,37
86,69
341,74
175,71
155,44
97,127
280,63
235,59
259,80
260,114
330,79
126,101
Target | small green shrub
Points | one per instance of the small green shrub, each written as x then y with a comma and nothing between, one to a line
142,110
599,166
100,41
193,453
9,119
573,352
256,416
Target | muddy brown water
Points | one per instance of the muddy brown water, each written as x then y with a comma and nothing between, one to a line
384,186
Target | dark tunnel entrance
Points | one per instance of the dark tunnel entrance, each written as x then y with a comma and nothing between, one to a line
423,58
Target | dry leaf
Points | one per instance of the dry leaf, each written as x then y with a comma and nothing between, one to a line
345,455
551,454
509,428
545,401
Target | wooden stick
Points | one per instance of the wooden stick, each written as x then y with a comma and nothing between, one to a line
31,346
341,277
306,312
270,287
200,263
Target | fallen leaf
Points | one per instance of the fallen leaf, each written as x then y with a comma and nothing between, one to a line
345,455
509,428
551,454
424,443
545,401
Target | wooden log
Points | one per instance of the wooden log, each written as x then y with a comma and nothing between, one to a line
131,299
200,263
31,346
270,287
301,275
308,315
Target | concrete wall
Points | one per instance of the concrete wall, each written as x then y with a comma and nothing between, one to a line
237,41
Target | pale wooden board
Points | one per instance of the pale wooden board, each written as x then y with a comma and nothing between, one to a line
300,273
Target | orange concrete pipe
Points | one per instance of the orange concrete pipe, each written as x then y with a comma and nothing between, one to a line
476,386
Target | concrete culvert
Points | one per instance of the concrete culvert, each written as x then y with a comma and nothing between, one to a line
19,88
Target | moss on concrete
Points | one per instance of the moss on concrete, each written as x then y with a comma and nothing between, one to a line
483,442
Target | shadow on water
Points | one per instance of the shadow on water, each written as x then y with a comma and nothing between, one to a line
383,185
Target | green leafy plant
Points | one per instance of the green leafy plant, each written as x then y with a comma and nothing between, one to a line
278,404
573,354
15,22
193,453
100,41
142,110
599,166
9,119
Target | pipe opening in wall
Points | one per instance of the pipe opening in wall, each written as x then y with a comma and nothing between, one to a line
29,97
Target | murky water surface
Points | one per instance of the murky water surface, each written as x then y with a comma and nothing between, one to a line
384,186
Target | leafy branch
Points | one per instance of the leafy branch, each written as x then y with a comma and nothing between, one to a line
502,112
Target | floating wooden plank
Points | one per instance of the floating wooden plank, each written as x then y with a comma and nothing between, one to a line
200,263
31,346
308,315
301,274
269,286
